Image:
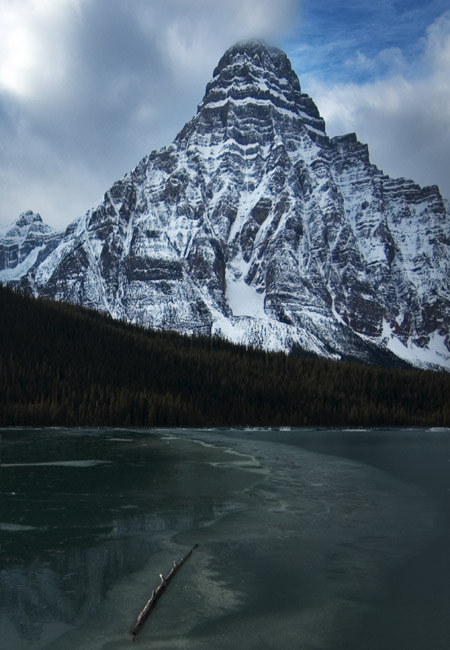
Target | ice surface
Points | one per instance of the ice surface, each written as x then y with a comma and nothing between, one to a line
15,528
292,545
59,463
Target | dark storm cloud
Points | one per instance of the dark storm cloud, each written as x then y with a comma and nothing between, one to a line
89,87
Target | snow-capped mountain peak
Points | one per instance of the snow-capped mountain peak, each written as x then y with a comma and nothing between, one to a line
256,226
21,243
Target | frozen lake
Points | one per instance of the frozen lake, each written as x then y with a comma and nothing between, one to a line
321,539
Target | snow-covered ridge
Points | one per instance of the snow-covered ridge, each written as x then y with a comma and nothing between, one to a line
20,245
255,226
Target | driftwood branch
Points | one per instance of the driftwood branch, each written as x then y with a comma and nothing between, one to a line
156,593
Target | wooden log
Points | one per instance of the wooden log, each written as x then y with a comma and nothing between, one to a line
156,594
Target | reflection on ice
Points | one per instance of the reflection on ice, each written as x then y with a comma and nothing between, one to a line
294,547
18,528
59,463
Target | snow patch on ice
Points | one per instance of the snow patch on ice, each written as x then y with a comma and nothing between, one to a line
7,527
59,463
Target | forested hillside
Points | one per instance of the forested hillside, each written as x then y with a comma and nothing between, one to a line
64,365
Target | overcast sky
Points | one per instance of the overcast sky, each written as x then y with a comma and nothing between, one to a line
89,87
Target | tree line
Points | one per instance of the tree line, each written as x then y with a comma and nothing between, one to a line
64,365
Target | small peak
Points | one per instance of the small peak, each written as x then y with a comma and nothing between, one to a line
254,81
260,55
28,217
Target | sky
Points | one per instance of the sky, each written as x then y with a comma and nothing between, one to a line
89,87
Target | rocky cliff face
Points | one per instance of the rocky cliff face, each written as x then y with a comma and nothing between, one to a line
23,244
256,226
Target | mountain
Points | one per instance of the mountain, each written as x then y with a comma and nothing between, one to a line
24,244
255,226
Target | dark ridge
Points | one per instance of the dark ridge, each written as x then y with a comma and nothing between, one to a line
63,365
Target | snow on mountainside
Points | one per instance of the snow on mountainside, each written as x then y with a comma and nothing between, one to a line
256,226
23,243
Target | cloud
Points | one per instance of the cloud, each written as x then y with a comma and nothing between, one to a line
88,87
34,32
404,117
386,62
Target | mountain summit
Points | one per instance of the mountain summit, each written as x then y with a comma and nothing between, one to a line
255,226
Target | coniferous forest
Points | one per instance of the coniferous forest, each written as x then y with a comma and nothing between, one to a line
63,365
